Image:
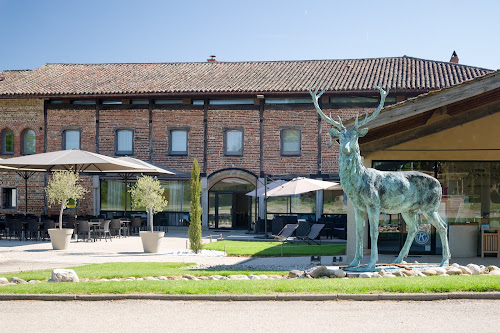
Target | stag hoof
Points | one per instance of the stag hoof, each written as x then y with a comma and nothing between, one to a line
444,263
398,260
354,263
371,265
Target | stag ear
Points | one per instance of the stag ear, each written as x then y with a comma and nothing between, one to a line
333,132
362,132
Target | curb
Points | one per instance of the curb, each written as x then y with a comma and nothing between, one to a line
253,298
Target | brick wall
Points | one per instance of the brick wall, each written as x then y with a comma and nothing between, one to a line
59,120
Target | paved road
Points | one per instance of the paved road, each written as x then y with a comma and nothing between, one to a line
165,316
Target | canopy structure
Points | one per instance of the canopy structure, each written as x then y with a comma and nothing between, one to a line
300,185
261,192
75,160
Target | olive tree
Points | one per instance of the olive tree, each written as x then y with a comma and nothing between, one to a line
63,186
148,193
194,230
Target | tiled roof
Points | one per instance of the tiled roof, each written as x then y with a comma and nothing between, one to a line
398,73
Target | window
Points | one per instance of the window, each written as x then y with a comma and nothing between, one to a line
9,198
231,102
290,141
307,100
84,102
140,101
360,101
168,101
29,142
111,102
71,139
8,142
178,139
124,142
233,142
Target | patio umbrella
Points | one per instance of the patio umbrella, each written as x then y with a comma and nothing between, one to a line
300,185
76,160
148,168
261,192
24,174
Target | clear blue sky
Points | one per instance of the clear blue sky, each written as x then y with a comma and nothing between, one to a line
36,32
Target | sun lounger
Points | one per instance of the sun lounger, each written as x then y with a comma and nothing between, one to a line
285,234
312,234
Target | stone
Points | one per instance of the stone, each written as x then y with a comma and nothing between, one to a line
253,277
238,277
149,278
104,280
293,274
377,275
218,277
64,275
202,277
3,280
263,277
115,280
429,272
34,281
494,272
465,270
315,272
189,277
339,273
388,275
85,280
131,278
17,280
275,277
398,273
420,274
410,272
475,269
440,270
455,265
454,271
176,277
162,278
492,268
366,275
139,279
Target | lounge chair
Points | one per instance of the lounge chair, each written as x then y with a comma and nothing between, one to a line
285,234
312,234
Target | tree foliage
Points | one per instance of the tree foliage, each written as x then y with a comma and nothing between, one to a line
194,231
63,186
147,192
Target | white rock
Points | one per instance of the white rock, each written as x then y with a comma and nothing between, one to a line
64,275
440,270
115,280
162,278
253,277
429,272
34,281
149,278
454,271
3,280
139,279
465,270
475,269
263,276
493,268
388,275
420,274
366,275
494,272
455,265
338,273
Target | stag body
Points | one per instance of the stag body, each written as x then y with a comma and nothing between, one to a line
372,191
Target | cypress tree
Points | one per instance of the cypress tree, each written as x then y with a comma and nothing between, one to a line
194,231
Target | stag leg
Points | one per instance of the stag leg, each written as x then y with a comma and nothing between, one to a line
373,217
411,222
440,226
360,222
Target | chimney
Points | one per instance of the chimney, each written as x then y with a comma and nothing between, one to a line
454,58
212,59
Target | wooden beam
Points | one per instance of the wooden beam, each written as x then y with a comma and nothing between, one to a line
438,126
434,100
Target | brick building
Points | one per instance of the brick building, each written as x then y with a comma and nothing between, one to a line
245,122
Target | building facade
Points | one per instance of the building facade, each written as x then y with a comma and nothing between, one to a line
247,123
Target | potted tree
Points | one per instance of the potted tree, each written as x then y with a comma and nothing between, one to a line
147,193
62,187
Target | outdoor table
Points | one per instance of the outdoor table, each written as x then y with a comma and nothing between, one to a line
93,225
126,225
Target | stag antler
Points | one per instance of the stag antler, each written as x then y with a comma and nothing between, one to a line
367,118
315,97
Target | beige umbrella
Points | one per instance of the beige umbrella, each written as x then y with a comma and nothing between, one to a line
76,160
299,185
261,192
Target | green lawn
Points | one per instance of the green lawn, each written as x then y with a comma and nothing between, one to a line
273,249
436,284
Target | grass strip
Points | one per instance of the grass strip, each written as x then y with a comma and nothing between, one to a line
481,283
274,249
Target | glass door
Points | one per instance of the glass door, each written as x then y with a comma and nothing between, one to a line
223,210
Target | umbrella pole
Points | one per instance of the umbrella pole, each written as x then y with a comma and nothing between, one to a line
265,208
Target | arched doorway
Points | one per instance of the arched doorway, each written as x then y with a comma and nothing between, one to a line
229,206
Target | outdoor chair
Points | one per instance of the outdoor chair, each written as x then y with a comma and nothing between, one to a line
136,224
285,234
103,230
47,224
16,229
84,229
33,231
116,228
312,234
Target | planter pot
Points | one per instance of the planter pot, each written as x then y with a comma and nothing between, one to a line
60,238
151,240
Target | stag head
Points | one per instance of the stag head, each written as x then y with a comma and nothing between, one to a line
348,139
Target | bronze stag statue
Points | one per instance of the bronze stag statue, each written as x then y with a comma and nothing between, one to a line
372,191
